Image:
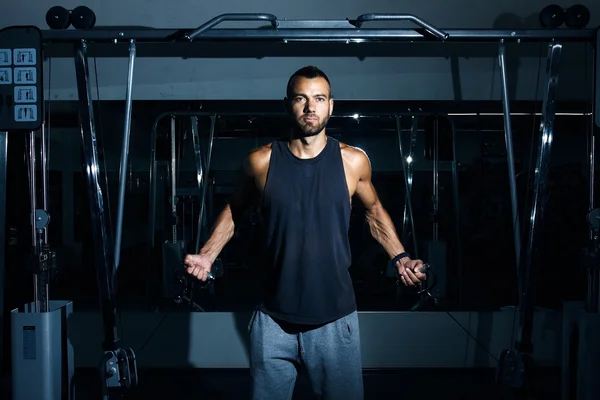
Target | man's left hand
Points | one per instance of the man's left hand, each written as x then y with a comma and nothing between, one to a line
409,271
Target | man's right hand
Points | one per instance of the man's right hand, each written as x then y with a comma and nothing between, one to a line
198,266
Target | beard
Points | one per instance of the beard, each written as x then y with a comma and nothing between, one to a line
310,128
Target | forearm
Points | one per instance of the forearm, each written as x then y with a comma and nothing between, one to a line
222,232
383,230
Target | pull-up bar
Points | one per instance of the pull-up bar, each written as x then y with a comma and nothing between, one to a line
317,31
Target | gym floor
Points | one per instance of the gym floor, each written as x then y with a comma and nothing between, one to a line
415,384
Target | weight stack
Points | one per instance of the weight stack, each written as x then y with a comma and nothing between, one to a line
42,353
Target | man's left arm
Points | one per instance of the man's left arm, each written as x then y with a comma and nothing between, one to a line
380,223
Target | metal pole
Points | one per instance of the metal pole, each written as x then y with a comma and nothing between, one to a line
199,175
173,180
213,121
124,154
436,167
44,276
407,183
45,141
540,195
100,235
457,220
152,184
3,174
33,207
512,180
592,298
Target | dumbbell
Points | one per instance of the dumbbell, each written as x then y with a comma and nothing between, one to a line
553,16
81,17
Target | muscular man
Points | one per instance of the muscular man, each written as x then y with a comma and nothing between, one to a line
308,315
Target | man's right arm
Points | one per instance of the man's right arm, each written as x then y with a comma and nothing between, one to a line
224,226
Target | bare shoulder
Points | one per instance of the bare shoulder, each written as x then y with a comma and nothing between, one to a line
258,159
354,157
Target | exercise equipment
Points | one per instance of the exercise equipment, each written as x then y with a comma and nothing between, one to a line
330,32
58,17
552,16
117,368
516,363
80,17
176,283
510,159
83,17
41,350
577,16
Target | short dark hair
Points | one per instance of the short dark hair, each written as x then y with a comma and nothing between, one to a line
308,72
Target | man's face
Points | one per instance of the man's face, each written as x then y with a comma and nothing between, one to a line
310,105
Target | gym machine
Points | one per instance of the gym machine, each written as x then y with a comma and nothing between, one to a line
581,320
176,282
345,31
41,349
118,368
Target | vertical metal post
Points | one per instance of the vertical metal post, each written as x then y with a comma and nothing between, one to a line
45,143
593,289
512,175
102,243
3,183
152,185
211,135
43,278
31,165
436,182
407,175
539,200
173,179
124,154
199,176
457,220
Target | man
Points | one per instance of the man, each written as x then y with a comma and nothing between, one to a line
308,315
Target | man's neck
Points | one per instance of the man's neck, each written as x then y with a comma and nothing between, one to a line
308,147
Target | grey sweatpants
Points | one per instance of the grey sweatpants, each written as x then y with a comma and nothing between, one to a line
330,354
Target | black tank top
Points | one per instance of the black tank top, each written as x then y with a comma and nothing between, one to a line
306,217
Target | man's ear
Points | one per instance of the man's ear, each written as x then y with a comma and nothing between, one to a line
331,107
286,105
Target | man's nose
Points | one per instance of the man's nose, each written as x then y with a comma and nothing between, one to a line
309,106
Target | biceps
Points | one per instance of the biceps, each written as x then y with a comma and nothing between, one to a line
367,194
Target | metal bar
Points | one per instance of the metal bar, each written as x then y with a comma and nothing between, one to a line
319,35
436,182
457,220
402,17
407,184
124,154
152,185
539,200
45,143
31,165
173,181
512,175
231,17
199,175
43,278
406,217
100,235
213,121
3,184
